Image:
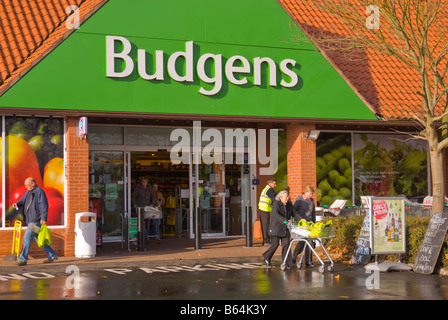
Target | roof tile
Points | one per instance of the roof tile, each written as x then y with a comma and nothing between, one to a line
30,29
388,85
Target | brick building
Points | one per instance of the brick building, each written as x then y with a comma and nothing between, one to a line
139,76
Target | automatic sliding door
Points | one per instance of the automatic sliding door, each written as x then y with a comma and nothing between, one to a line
212,199
107,186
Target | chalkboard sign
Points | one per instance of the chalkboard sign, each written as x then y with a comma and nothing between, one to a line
432,243
362,253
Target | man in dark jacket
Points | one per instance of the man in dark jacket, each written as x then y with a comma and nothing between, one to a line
35,208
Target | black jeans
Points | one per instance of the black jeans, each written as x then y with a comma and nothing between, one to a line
265,218
299,249
275,241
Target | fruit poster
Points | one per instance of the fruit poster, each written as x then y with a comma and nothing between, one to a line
390,165
387,225
34,148
334,168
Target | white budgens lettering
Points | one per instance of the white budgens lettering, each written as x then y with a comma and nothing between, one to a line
157,66
111,56
272,71
188,56
209,69
216,80
284,68
231,69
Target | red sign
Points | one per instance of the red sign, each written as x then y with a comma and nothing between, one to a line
380,209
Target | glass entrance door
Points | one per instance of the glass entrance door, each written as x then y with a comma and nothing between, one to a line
107,192
212,199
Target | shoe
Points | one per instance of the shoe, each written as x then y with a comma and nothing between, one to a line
21,263
267,244
310,265
50,260
268,264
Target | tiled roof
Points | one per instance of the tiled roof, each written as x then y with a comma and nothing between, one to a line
387,85
30,29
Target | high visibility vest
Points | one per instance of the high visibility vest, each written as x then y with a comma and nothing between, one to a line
265,203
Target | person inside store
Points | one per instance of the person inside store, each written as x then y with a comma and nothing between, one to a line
160,203
35,208
142,196
304,208
278,229
267,197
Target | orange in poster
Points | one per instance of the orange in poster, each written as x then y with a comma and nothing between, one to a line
380,209
21,163
55,206
54,174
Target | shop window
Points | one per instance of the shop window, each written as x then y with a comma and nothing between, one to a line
383,165
386,165
105,135
34,148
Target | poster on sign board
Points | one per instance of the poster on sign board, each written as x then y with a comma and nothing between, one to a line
387,225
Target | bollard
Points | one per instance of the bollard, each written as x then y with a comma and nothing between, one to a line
197,228
140,229
249,238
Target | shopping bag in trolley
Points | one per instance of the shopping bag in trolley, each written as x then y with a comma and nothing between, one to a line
152,213
322,229
307,225
301,229
300,232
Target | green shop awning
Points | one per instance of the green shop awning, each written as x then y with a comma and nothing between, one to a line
232,58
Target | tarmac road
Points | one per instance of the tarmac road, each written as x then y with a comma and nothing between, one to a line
217,281
172,275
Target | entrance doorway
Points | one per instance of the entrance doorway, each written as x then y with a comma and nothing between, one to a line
172,181
224,193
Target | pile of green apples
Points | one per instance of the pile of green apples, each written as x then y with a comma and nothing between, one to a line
334,176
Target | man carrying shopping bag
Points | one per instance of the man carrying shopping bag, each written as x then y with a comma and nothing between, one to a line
35,209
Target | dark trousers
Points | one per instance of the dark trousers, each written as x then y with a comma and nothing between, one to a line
299,249
275,241
265,218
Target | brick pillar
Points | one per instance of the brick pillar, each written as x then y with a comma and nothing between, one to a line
77,178
301,158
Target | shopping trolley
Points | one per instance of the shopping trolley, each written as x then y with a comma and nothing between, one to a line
301,232
154,214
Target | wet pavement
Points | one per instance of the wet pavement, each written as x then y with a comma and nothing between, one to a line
224,270
219,281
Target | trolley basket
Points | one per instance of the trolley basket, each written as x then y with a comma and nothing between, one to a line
308,233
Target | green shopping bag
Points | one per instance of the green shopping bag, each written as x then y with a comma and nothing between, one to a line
44,236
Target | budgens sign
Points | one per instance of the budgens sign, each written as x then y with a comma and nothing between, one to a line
237,69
